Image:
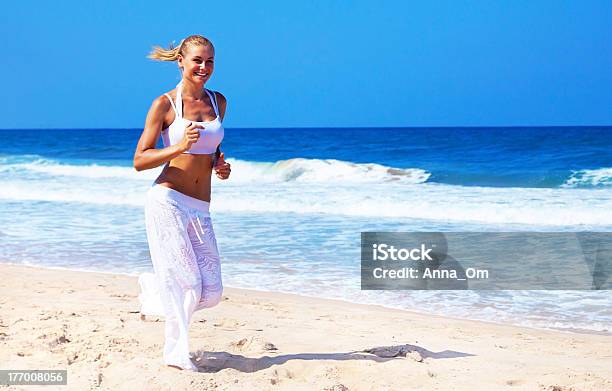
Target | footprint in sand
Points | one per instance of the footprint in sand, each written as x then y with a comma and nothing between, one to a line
253,344
229,324
279,374
58,342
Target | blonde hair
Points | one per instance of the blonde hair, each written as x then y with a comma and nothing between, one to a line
171,54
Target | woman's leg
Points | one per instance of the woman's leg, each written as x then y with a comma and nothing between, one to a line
178,274
209,263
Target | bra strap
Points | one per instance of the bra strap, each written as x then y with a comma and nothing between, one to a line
179,99
213,100
172,103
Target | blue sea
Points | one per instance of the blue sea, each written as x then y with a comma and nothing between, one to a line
289,218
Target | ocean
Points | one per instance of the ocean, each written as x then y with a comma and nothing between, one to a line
289,219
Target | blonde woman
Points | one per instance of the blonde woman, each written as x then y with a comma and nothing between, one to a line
179,230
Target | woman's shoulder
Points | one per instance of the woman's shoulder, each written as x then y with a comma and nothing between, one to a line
222,101
170,94
219,96
163,102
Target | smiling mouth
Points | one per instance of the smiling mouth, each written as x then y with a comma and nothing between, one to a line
201,74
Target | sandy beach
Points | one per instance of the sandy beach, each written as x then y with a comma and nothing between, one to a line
89,324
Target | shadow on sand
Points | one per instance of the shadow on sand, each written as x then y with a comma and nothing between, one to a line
216,361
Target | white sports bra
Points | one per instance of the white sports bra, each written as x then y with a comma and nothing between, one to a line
210,136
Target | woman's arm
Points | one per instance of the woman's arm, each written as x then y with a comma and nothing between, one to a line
146,155
222,168
222,102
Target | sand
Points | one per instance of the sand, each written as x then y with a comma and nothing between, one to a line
88,323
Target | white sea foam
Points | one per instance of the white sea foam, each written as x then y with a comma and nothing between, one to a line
570,207
323,171
320,187
292,170
601,177
54,168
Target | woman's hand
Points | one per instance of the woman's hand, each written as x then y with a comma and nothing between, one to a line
192,134
222,168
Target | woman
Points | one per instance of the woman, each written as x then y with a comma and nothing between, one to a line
179,231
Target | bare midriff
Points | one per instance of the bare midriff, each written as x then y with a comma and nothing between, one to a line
188,174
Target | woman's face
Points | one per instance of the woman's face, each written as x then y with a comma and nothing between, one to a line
198,63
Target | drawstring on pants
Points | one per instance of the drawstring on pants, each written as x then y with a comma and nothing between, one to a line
192,208
197,218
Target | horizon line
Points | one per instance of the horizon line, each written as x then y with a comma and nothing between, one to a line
350,127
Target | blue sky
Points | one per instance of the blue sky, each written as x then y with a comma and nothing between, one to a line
314,64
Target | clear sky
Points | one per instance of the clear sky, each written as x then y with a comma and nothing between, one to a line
76,64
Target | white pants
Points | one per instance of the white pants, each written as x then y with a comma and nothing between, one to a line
186,264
